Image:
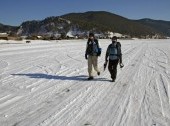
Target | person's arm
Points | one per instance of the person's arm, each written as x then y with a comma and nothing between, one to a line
99,44
106,58
99,49
86,51
107,54
120,56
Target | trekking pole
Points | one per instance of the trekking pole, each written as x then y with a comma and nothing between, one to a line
105,65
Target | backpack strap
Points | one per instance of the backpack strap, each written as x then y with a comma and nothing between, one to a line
118,45
90,47
95,40
97,43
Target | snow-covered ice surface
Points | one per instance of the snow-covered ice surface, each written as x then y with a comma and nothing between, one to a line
44,84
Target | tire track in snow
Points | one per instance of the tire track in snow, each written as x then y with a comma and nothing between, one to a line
87,100
20,68
9,101
78,107
103,98
163,87
152,64
3,66
43,67
37,96
59,106
14,78
148,114
32,60
125,108
123,90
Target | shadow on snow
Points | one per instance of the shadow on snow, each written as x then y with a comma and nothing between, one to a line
58,77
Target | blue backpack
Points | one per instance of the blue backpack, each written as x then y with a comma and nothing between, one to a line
114,51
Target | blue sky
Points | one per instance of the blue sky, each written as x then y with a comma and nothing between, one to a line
14,12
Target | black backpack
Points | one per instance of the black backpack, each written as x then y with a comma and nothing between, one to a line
89,49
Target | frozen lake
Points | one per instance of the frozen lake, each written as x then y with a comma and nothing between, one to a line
44,84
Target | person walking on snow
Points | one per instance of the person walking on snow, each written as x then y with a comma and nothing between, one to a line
115,56
93,50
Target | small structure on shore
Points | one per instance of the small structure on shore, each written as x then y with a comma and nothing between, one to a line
3,36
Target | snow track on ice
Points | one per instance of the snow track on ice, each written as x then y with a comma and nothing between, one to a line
44,84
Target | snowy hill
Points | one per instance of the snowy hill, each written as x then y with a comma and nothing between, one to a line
159,25
7,28
97,21
44,84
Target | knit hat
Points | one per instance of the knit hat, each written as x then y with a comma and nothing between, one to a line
91,34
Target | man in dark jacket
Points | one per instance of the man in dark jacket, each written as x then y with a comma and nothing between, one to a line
115,56
93,50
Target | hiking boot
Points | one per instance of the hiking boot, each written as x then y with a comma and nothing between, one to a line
90,78
113,80
98,73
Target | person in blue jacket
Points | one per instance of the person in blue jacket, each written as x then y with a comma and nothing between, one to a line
115,56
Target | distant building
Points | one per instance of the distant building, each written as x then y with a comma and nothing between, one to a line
99,36
3,36
24,37
39,37
111,34
156,36
70,35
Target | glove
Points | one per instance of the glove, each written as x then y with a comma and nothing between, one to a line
98,54
121,65
85,56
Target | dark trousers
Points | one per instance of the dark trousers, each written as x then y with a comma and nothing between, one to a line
113,68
